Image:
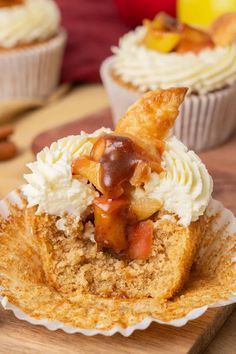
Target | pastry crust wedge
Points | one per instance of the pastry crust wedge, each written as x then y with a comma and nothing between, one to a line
150,119
223,29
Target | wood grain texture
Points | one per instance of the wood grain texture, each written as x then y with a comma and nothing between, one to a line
193,338
20,337
225,340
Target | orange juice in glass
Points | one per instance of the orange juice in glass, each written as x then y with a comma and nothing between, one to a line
203,12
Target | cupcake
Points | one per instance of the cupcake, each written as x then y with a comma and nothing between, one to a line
117,229
165,53
31,48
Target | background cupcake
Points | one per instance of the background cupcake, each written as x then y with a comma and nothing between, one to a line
31,48
165,53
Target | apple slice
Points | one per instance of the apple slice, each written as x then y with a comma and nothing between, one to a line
194,40
98,149
166,34
140,240
110,218
143,208
223,29
162,33
163,42
141,174
88,169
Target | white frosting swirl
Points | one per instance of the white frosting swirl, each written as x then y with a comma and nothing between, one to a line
185,187
31,21
147,69
51,186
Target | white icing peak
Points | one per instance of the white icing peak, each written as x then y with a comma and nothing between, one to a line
147,69
31,21
185,186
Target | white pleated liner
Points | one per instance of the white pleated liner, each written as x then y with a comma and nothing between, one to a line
227,219
32,72
205,121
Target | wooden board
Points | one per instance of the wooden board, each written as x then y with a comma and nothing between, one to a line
192,338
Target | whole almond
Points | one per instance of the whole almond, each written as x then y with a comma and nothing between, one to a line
5,131
8,150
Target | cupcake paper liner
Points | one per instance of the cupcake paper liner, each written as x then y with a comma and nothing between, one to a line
205,121
23,288
32,72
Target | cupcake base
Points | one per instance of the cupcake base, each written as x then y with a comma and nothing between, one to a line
204,122
24,288
31,71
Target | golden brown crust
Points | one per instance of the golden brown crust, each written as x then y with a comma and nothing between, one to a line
153,115
211,280
223,29
149,119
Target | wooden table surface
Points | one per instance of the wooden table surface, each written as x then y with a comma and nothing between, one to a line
77,103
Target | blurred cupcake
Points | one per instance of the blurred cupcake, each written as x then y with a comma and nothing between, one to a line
165,53
31,48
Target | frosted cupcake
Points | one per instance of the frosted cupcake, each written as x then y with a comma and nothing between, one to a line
164,53
116,229
31,48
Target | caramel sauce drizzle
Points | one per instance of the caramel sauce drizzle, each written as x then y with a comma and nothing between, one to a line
118,157
116,164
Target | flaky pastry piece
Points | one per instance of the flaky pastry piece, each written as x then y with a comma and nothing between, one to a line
149,120
223,29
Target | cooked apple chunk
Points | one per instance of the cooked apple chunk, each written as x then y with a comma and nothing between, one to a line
165,34
161,33
141,174
194,40
143,208
110,218
98,149
88,169
140,240
163,42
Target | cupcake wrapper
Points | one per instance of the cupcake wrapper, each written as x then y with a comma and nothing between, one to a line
223,224
205,121
32,72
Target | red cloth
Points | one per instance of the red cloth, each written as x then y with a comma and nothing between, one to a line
93,27
134,11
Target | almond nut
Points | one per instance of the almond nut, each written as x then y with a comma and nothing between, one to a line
8,150
5,131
